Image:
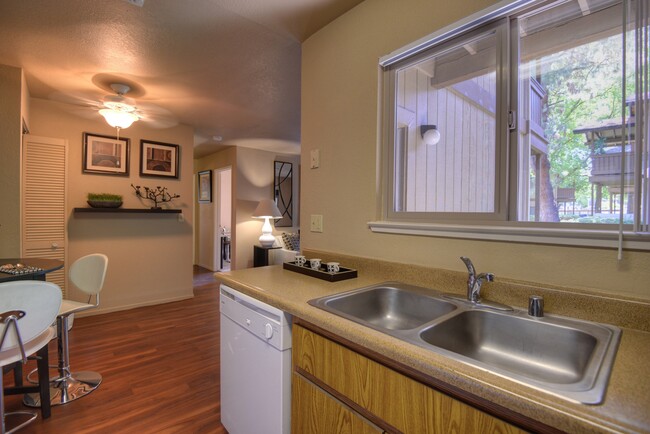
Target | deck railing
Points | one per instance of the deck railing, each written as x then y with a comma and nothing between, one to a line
537,101
610,164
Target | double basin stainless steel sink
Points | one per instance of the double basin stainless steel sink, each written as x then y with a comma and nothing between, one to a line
568,358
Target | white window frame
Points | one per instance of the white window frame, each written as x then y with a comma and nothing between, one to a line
498,226
501,130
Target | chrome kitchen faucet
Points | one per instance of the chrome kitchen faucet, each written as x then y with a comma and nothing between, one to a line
474,284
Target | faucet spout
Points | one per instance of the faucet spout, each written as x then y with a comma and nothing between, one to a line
469,265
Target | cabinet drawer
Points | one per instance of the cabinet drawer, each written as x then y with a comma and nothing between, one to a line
404,404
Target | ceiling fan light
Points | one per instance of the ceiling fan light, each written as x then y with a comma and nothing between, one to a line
119,102
118,106
118,118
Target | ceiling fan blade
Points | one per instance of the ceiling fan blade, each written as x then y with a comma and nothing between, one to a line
85,99
159,122
156,116
82,112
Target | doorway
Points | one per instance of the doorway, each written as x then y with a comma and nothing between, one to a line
223,219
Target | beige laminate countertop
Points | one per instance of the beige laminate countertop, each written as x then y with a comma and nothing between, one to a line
626,407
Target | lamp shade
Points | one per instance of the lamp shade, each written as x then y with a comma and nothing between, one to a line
267,208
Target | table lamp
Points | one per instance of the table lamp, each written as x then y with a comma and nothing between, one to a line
267,209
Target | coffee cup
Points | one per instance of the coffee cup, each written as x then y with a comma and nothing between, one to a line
333,267
314,263
300,260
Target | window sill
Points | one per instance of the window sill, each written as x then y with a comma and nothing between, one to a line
561,237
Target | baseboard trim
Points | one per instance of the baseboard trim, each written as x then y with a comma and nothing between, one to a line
100,310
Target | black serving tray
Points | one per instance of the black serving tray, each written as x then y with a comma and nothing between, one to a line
321,273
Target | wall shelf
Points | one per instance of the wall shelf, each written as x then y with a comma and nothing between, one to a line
128,210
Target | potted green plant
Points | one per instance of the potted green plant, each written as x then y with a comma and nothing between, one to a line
104,200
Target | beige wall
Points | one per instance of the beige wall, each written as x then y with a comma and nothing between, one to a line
24,101
340,113
254,182
225,191
150,256
10,138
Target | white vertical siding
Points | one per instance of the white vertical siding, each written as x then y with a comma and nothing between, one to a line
457,174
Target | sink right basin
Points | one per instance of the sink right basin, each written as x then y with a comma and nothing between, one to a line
542,351
569,357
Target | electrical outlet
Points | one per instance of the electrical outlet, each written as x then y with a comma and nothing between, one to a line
315,159
316,223
136,2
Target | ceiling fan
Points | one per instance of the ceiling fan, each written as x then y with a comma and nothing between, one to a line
119,110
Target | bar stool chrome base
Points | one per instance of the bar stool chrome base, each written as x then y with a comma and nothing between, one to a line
68,386
64,390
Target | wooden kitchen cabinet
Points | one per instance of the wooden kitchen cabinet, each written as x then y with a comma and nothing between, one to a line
389,399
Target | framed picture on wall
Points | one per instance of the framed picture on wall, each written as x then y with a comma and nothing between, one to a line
106,155
205,186
159,159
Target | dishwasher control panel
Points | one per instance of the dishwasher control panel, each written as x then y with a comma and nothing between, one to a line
268,323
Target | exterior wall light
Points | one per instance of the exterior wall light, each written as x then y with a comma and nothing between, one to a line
430,134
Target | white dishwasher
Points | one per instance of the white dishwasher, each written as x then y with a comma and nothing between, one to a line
255,365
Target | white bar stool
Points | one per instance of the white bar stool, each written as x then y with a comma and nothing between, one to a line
87,274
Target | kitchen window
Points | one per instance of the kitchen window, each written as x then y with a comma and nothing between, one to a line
539,112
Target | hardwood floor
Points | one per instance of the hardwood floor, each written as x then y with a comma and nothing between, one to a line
160,366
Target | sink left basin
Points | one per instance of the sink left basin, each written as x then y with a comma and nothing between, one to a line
389,306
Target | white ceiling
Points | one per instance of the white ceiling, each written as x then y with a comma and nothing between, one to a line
229,68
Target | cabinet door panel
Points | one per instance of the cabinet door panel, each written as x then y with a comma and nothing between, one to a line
402,402
315,412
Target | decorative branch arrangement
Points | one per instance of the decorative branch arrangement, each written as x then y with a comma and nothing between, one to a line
157,195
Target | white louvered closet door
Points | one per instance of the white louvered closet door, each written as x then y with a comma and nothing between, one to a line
44,202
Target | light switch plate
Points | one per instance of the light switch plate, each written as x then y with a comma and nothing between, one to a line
316,223
315,158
